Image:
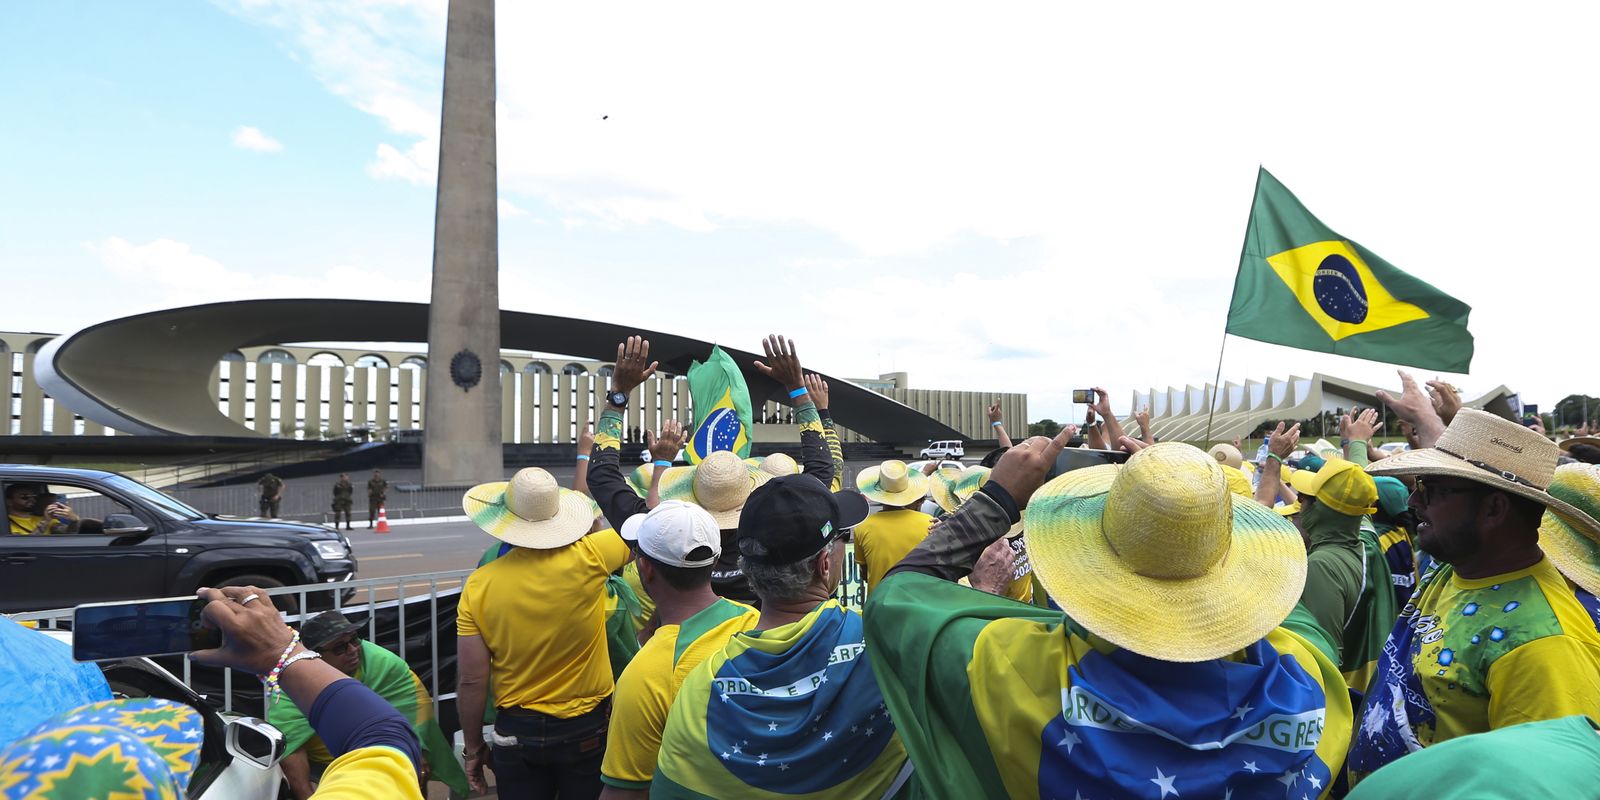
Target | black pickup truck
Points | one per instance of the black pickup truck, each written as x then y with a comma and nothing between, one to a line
131,542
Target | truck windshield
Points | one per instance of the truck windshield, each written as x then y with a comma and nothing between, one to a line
169,506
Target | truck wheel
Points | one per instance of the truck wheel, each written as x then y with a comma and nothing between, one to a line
287,603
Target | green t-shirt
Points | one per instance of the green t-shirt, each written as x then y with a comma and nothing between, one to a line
1552,758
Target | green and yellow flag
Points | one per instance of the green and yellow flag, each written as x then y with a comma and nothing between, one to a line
1302,285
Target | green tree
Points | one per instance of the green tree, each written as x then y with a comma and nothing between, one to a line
1044,427
1571,410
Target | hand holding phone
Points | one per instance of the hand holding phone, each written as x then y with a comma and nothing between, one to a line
106,631
1083,396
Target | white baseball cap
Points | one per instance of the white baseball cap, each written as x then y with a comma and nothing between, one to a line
676,533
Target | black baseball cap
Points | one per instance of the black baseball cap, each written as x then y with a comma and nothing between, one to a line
322,629
792,518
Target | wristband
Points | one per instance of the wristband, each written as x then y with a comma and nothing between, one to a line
582,457
797,393
996,424
663,463
1277,458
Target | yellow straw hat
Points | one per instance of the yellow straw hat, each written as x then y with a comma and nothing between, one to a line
1572,548
891,484
719,484
1483,448
639,478
1159,558
951,488
530,510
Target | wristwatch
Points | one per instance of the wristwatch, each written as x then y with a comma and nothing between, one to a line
618,399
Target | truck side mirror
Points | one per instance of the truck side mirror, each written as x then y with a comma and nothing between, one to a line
255,742
124,525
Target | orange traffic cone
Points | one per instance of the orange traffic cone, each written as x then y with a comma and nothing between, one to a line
383,519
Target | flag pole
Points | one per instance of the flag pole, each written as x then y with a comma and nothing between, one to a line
1243,248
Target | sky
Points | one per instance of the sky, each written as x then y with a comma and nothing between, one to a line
1016,197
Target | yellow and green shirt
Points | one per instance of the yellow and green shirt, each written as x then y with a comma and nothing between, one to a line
542,615
1473,655
647,688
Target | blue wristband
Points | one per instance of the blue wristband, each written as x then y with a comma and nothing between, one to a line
583,457
662,463
996,424
796,393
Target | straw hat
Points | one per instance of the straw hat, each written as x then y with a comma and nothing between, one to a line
1227,455
1570,547
530,510
719,484
779,464
1481,447
951,488
891,484
1325,448
1159,558
1567,444
639,479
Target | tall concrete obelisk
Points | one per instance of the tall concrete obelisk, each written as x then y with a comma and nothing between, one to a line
461,426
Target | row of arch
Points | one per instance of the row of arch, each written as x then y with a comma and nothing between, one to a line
326,359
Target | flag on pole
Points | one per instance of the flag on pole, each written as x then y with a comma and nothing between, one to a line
1302,285
721,403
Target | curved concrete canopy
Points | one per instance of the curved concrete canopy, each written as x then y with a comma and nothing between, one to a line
149,373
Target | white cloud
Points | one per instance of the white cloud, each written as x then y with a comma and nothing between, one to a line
248,138
1123,143
507,209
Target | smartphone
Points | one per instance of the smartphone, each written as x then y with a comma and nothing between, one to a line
103,631
1083,396
1077,458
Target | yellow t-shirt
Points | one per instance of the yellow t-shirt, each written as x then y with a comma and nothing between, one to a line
28,525
884,538
650,683
370,772
541,613
1501,651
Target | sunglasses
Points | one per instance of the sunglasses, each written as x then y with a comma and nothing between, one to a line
343,645
1426,494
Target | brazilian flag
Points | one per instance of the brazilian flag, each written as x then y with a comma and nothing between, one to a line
1302,285
721,403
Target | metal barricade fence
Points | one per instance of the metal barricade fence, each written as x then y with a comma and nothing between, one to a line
401,614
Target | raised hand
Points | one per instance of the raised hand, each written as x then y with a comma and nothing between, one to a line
782,364
818,389
1022,469
1360,427
994,411
1131,444
664,446
1446,401
633,365
253,635
1284,440
1416,407
586,440
1102,403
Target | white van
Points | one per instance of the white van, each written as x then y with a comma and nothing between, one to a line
948,448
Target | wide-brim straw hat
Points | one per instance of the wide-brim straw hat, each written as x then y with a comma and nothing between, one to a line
719,484
530,510
951,488
1322,446
777,465
1481,447
1567,444
1227,455
1158,557
1573,550
891,484
639,479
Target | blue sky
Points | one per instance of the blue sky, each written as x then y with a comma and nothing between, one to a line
1032,199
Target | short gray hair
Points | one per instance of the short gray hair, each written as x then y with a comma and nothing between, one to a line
777,583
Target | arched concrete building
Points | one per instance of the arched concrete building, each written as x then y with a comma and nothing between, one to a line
225,369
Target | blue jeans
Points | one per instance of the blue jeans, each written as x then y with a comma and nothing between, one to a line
552,757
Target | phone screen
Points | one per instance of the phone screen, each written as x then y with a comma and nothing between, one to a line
102,631
1083,396
1077,458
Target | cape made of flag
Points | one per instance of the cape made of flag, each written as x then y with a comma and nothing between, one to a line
389,677
996,698
721,402
792,712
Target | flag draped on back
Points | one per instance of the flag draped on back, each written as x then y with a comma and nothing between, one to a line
792,712
721,408
1302,285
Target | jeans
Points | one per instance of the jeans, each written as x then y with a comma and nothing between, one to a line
269,507
550,757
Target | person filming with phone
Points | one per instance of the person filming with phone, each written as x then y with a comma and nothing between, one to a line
33,511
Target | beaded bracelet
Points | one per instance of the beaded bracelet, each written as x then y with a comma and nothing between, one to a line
269,682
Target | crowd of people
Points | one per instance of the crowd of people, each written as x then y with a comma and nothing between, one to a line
1153,620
